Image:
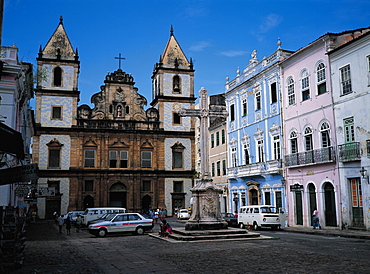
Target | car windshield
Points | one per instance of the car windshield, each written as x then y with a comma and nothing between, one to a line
107,217
267,210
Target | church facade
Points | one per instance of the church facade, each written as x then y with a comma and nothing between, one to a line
116,153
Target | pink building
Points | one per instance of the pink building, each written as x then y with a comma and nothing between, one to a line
311,170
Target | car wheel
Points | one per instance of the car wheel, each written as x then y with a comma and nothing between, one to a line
139,231
255,226
102,232
241,225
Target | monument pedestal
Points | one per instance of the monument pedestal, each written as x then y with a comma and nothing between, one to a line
205,207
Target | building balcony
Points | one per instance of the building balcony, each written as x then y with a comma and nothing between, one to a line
350,152
255,169
312,157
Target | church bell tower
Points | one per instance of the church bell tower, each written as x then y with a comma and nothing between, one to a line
173,86
57,92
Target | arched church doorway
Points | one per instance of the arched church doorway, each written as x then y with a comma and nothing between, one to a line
146,203
330,210
118,195
312,200
88,202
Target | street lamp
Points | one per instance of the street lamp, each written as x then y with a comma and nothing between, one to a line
364,175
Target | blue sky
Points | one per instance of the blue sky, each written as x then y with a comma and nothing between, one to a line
218,35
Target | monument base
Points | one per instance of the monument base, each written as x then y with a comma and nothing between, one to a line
205,225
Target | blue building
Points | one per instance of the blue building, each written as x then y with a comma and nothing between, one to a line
254,127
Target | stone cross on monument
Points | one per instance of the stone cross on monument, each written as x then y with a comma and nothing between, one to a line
205,195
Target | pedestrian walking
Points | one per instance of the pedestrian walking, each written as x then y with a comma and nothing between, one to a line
61,223
78,223
156,216
315,219
56,216
68,225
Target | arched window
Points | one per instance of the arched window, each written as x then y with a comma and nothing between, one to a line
325,136
291,94
321,78
176,81
308,138
293,142
305,85
57,77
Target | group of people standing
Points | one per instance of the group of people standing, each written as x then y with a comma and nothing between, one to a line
60,220
158,214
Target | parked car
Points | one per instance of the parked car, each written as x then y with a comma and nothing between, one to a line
122,223
259,216
230,218
105,217
183,214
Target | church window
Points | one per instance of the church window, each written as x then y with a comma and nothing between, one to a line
127,109
110,109
177,155
56,113
176,84
146,159
57,77
55,149
118,162
178,186
89,158
217,138
176,119
147,186
223,140
213,169
89,185
212,140
55,185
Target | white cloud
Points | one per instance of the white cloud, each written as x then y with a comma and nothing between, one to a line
199,46
233,53
270,21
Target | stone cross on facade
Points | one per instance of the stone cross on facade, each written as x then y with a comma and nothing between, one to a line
205,201
119,60
204,113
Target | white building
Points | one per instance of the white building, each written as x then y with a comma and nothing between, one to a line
350,70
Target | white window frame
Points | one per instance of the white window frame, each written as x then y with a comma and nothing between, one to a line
345,80
305,84
290,91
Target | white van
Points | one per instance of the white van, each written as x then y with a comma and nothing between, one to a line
259,216
91,214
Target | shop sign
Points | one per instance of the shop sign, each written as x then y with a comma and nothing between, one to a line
17,174
296,187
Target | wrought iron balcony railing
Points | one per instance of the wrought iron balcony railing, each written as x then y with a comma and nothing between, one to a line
349,152
316,156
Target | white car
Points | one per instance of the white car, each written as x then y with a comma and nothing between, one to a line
183,214
121,223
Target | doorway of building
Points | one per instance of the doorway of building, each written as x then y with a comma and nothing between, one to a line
357,206
146,203
52,205
88,202
330,211
118,195
298,208
253,195
312,200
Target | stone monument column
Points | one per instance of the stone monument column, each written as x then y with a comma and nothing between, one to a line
205,195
